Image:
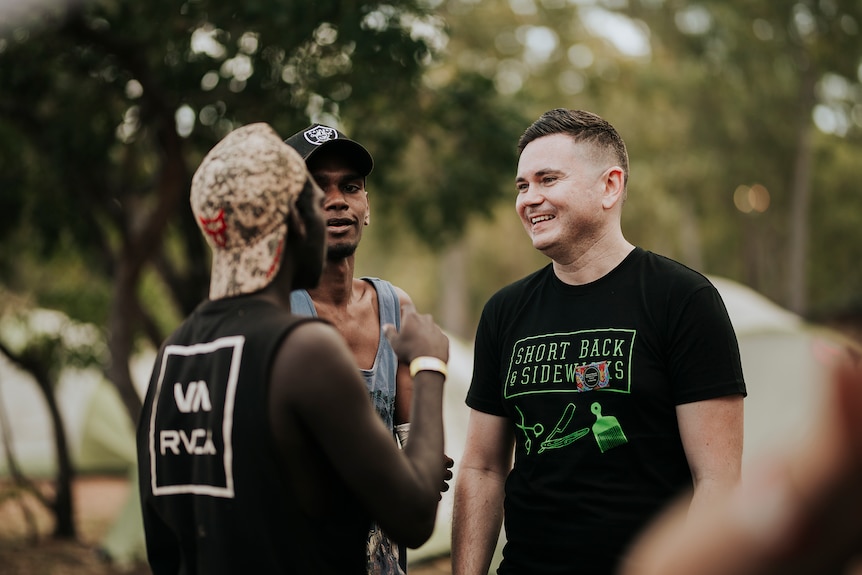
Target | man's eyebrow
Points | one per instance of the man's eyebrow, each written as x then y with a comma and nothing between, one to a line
540,173
549,171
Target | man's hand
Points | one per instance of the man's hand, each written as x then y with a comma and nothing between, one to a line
419,336
447,476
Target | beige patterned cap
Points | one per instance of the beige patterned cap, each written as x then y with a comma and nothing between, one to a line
241,196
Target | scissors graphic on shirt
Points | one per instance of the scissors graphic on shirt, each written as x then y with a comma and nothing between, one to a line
556,439
537,430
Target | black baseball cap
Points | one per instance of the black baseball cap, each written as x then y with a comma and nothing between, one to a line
316,136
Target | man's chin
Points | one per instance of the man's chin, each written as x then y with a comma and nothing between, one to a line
338,253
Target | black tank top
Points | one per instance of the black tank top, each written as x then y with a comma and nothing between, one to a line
213,496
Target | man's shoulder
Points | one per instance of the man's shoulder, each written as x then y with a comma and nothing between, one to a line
390,293
375,280
525,283
310,340
513,295
381,284
664,269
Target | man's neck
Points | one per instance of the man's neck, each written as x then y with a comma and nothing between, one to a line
592,264
277,292
336,283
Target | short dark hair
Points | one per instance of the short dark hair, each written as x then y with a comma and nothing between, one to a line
581,126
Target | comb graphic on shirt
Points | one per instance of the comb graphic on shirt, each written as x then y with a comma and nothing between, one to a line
607,429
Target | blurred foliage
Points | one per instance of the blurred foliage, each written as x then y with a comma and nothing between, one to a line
106,108
751,78
457,161
95,95
50,339
91,106
835,273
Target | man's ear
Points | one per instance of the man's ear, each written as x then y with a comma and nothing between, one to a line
367,210
615,187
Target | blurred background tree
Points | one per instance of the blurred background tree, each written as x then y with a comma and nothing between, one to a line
107,108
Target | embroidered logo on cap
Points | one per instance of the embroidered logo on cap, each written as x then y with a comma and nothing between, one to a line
215,227
320,134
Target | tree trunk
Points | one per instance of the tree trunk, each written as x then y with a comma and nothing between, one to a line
800,187
143,238
121,335
63,505
689,230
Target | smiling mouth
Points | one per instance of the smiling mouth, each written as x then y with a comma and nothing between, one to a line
537,219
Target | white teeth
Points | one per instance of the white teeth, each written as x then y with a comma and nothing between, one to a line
540,219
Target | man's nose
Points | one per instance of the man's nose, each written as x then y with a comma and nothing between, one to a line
334,199
530,197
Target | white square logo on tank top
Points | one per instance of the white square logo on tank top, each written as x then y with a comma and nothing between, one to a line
191,422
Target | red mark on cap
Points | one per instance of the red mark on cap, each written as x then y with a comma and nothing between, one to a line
216,228
276,260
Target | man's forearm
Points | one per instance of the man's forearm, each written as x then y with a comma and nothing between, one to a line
477,517
425,450
707,491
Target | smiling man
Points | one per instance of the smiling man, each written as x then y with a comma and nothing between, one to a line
604,384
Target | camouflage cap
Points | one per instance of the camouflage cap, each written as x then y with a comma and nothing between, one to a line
241,196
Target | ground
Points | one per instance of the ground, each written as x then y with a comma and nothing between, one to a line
27,549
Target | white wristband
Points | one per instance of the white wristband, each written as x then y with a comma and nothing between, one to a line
428,363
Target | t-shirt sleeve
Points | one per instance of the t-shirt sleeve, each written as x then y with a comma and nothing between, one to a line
485,387
703,349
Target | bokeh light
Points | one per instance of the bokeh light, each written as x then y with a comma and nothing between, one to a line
754,198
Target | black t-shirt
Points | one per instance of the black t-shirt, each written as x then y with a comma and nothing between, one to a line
214,497
590,377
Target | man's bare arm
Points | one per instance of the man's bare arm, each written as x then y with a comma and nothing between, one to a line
479,491
316,380
712,436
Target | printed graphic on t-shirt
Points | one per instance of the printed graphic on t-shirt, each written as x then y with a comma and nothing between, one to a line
190,428
607,429
560,435
579,361
574,362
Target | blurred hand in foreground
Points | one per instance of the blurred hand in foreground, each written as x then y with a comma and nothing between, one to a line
799,512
